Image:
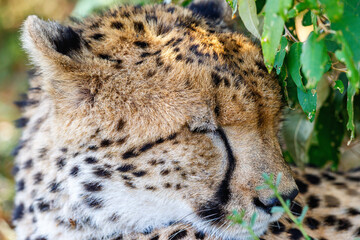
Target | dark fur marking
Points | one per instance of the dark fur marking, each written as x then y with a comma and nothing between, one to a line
139,27
353,211
312,223
331,201
98,36
354,179
104,56
20,185
150,73
74,171
117,25
167,185
18,212
296,208
330,220
295,234
126,168
21,122
93,186
343,224
54,187
93,147
60,162
165,172
151,188
139,173
178,57
199,235
145,54
210,9
277,228
215,78
156,237
146,147
130,154
102,172
120,125
38,177
141,44
261,66
178,234
357,232
129,184
93,202
67,41
139,62
43,206
28,164
91,160
313,201
328,176
303,187
313,179
15,170
105,143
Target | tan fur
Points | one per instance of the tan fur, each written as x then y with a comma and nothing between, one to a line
141,92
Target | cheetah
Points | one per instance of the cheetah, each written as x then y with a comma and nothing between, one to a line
156,122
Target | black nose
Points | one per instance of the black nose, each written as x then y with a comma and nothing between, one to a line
270,203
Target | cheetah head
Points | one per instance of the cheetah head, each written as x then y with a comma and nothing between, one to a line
165,117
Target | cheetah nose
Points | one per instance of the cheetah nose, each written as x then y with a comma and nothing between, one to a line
270,203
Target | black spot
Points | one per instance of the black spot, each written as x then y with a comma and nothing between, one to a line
98,36
165,172
312,223
104,56
15,170
313,179
129,154
93,202
295,234
277,228
217,110
152,188
74,171
139,62
167,185
43,206
101,172
54,187
330,220
139,173
199,235
20,185
353,211
343,224
159,62
67,41
176,49
150,73
18,212
145,54
303,187
146,147
120,124
91,160
129,184
178,57
141,44
139,27
332,201
296,208
105,143
117,25
28,164
354,179
19,146
21,122
328,176
93,186
60,162
179,40
178,234
41,238
93,147
38,177
160,140
125,168
210,9
261,66
215,78
313,201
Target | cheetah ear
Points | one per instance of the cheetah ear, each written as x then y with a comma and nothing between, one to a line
50,44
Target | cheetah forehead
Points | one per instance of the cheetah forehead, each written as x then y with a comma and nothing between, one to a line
155,65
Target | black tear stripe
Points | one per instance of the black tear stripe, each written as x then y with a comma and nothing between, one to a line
213,209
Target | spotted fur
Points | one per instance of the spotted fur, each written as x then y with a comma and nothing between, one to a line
155,123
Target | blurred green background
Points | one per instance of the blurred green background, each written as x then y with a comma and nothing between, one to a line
13,83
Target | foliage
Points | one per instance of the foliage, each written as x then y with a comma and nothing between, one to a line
310,71
238,218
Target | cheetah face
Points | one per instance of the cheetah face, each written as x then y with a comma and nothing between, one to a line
164,121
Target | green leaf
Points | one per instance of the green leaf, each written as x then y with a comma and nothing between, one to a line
282,78
277,209
307,19
333,9
294,64
307,102
233,4
350,109
303,213
273,28
297,132
253,219
280,55
339,86
345,55
349,26
313,59
278,179
247,12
